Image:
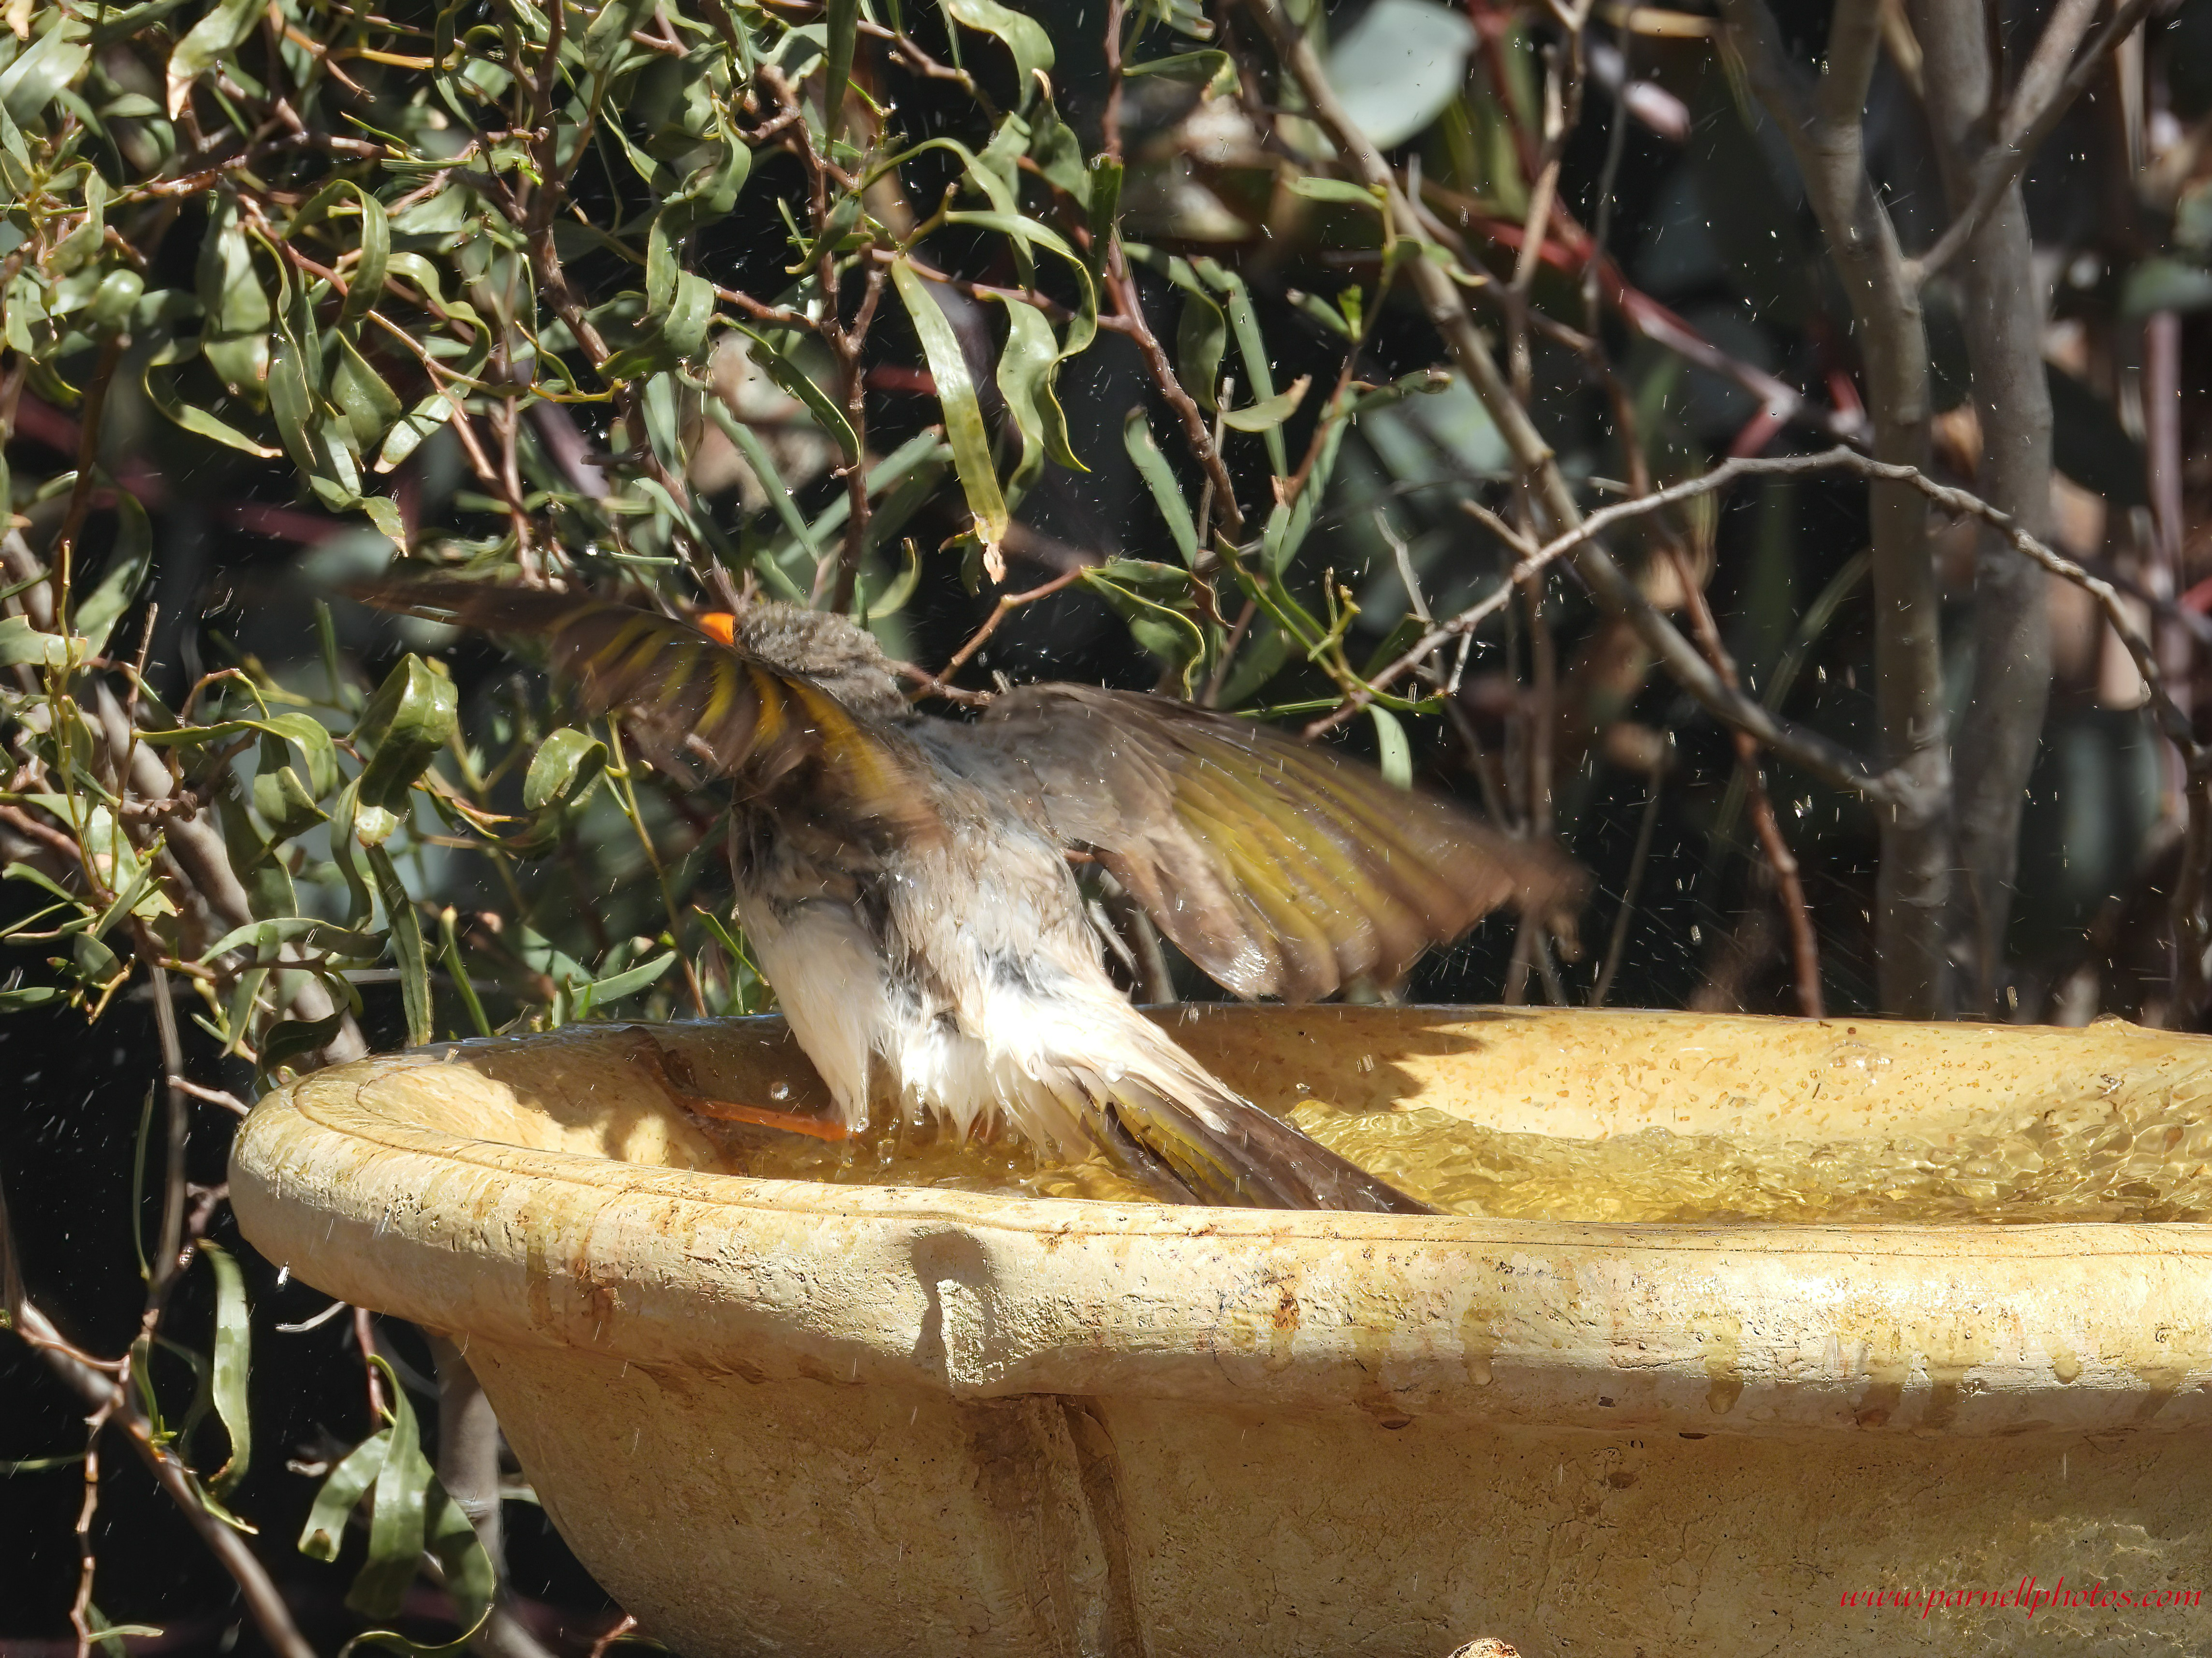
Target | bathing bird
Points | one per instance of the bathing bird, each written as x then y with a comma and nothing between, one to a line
905,880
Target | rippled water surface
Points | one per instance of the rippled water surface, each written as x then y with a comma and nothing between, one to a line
2133,1147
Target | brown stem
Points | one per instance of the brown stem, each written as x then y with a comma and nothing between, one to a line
1826,129
1130,312
1790,887
102,1389
2003,317
1007,605
64,557
2043,97
1448,312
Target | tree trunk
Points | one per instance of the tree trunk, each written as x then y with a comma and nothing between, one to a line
2002,310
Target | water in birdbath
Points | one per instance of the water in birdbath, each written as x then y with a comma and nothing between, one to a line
2131,1146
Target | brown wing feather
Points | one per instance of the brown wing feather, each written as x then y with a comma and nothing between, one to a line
1281,867
692,701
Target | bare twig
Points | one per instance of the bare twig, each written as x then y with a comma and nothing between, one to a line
1790,887
102,1388
2042,98
1824,758
1446,308
1007,605
1617,943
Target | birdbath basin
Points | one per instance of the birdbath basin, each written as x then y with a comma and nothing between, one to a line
1834,1309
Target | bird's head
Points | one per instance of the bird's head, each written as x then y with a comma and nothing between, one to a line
831,650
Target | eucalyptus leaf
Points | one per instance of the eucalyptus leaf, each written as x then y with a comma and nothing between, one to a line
341,1494
567,765
1024,36
1397,753
956,395
1266,416
214,37
405,923
163,396
405,724
233,1346
1160,477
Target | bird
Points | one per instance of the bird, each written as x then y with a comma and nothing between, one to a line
904,879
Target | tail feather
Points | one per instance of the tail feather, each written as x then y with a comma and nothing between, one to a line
1191,1139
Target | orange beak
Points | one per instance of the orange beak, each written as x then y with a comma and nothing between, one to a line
719,625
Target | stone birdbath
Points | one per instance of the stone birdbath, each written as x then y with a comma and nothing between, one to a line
1760,1318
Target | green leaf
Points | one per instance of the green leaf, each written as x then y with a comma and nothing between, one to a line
1201,331
133,556
41,69
370,407
456,968
748,443
1024,231
324,1535
407,950
1252,351
471,1580
109,1637
366,283
1266,647
396,1529
409,431
314,933
20,643
1215,71
234,338
163,396
288,1039
1026,368
775,361
1105,205
1163,630
1315,189
617,985
232,1339
956,395
2163,284
1160,477
313,739
1397,753
873,607
1398,66
96,964
1270,413
1024,36
564,768
212,38
406,723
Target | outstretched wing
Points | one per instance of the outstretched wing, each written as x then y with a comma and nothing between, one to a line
693,702
1279,866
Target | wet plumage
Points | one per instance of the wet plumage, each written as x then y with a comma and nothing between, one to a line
903,879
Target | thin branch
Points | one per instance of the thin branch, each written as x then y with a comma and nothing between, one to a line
1790,886
1007,605
1818,755
101,1389
2035,109
1446,306
1617,943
